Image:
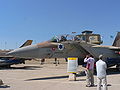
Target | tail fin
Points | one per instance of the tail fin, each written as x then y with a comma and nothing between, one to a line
117,40
28,42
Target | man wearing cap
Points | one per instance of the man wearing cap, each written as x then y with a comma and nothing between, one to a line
89,60
101,73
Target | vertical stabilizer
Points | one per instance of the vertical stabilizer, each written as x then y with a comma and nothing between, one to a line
117,40
28,42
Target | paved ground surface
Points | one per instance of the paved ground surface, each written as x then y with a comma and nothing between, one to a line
49,77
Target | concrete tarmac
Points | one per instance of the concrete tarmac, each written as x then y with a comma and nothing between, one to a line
49,77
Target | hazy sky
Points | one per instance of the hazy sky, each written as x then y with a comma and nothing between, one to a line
39,20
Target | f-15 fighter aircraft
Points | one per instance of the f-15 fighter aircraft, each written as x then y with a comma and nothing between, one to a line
79,46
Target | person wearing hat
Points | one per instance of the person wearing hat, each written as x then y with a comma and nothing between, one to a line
101,73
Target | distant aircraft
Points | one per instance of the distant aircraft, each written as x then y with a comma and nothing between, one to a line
79,46
7,61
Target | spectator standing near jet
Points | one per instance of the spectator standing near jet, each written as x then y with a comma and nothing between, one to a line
89,60
101,73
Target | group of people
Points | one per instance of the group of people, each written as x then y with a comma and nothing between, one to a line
100,69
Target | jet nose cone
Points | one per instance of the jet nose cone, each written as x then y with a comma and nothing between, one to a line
16,51
10,53
23,52
13,52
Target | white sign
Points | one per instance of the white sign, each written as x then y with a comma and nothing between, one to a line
72,65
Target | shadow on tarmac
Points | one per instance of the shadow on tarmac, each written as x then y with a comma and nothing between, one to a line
55,77
110,71
47,78
25,67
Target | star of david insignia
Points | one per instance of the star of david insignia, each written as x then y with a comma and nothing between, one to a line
60,46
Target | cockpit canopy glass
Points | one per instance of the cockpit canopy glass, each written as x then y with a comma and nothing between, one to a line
60,38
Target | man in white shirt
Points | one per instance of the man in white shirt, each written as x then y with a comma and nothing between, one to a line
89,60
101,73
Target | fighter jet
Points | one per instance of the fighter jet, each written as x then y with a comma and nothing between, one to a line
79,46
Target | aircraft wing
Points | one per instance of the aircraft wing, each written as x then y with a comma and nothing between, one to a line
115,48
75,48
89,48
109,47
84,48
96,50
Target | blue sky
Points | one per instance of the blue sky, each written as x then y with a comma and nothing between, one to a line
39,20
